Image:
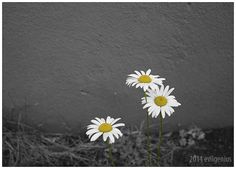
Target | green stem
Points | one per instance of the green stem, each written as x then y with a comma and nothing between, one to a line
148,135
110,154
160,140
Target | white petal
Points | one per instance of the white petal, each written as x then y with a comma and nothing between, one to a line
111,138
114,121
103,120
156,76
161,79
143,73
138,85
169,92
153,86
105,135
168,111
137,72
147,105
148,72
108,119
95,122
115,134
151,109
161,90
133,84
133,75
118,131
166,90
158,109
170,97
143,100
173,103
157,90
92,126
118,125
158,81
92,131
145,87
95,136
163,113
157,112
130,79
99,120
153,114
171,110
149,92
150,113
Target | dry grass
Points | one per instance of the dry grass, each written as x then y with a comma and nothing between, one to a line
25,146
33,148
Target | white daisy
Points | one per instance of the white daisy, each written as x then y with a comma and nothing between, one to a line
160,100
107,128
144,80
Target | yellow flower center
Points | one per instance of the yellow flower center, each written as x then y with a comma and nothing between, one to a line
105,127
160,101
144,79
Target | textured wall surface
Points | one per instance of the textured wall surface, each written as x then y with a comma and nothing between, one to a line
69,61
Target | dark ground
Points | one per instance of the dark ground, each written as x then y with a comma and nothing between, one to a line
188,147
218,143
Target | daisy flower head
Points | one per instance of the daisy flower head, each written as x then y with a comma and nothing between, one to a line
160,101
105,128
144,80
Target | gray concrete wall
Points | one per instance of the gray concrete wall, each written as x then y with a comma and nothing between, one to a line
70,60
